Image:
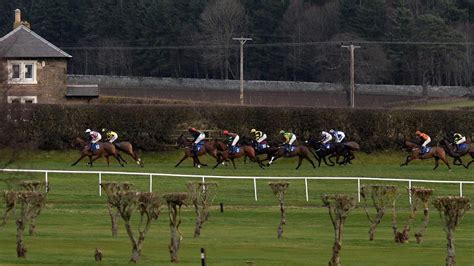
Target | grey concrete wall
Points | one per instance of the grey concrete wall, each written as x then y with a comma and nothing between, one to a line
125,82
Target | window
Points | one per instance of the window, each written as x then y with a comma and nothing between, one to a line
22,72
22,99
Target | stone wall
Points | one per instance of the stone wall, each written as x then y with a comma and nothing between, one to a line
134,83
51,86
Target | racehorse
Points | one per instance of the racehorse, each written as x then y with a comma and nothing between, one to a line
127,148
341,149
434,152
301,151
105,149
271,148
224,154
208,147
456,154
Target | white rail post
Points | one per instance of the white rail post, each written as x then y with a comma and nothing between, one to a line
255,187
358,189
151,183
409,190
460,189
100,182
46,180
306,186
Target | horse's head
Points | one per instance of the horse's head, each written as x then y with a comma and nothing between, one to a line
182,141
78,143
220,145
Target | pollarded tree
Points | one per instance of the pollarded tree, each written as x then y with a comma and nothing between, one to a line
127,201
453,210
32,198
202,195
279,189
112,188
381,197
339,208
418,194
175,201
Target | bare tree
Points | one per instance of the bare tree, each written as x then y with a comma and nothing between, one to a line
279,189
202,195
339,208
453,210
175,201
381,196
127,201
32,198
220,22
418,194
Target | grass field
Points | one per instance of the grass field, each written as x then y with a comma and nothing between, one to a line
75,220
447,105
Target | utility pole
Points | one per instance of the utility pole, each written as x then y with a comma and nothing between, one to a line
242,41
352,48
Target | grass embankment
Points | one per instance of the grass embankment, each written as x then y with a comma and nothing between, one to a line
75,220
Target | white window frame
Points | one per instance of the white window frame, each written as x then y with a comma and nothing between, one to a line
23,99
22,79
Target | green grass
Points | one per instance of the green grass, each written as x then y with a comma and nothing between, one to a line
451,105
75,220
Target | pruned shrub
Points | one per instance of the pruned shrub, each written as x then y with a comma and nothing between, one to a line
175,201
201,194
279,189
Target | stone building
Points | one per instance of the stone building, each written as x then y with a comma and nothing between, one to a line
32,70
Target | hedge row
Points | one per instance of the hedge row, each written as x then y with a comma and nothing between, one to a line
150,127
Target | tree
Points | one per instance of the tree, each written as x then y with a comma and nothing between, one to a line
339,207
202,195
221,21
32,198
279,189
127,201
453,210
381,196
174,202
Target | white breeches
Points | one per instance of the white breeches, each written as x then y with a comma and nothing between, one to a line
236,139
114,138
264,137
426,142
293,138
199,139
461,141
97,139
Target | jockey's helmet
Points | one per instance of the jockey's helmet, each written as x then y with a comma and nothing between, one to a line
417,132
282,131
225,132
88,130
331,131
253,130
104,130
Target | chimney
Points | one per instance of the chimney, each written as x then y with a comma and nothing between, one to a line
18,21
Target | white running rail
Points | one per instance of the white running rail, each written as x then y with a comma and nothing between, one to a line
47,174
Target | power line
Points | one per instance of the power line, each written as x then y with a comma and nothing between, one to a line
282,44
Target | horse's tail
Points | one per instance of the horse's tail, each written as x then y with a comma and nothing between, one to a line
352,145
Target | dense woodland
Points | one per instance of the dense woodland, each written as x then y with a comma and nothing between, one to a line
421,42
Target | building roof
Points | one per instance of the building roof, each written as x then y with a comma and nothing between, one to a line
24,43
82,91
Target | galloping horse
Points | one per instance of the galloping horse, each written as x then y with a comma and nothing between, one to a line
435,152
127,148
345,149
106,149
224,154
301,151
208,148
450,150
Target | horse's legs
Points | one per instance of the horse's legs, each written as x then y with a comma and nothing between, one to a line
84,155
329,159
311,161
300,161
446,162
436,162
182,159
408,159
467,166
118,159
233,163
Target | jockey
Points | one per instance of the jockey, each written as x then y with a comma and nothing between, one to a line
232,138
458,140
260,137
425,138
325,139
289,139
110,135
198,137
338,135
94,137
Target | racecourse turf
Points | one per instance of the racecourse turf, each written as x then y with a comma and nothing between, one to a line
75,220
